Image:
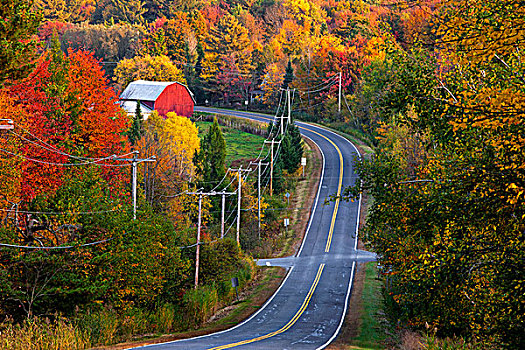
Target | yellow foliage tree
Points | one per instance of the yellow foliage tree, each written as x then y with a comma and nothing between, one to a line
173,141
65,10
181,134
156,68
273,80
482,44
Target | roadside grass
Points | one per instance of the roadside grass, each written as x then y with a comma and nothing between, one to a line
303,196
364,326
239,144
250,300
71,334
371,334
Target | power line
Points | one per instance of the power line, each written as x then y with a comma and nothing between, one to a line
54,149
59,164
330,80
329,85
57,247
51,147
61,213
231,72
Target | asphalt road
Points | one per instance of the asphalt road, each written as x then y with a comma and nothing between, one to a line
308,309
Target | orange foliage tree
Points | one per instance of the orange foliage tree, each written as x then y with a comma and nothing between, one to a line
72,120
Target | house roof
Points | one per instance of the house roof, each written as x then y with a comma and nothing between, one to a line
143,90
131,107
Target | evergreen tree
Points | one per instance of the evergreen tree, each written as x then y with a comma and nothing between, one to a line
291,149
135,130
228,61
211,160
128,11
189,70
288,76
278,183
192,74
200,58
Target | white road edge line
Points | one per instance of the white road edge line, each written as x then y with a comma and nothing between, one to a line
349,290
304,239
229,329
278,289
316,198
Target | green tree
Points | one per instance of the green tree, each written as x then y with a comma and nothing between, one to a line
72,11
107,43
291,149
228,61
127,11
177,31
135,131
212,157
18,24
288,75
195,81
447,179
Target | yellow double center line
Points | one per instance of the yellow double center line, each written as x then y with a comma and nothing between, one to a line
321,267
286,326
339,187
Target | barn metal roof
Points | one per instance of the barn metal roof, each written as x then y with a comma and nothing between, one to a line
131,107
143,90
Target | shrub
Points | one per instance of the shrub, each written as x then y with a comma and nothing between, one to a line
200,304
42,334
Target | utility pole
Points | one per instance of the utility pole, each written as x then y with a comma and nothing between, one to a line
259,165
289,117
239,172
223,194
134,161
281,127
340,91
197,253
289,105
239,206
223,206
308,80
281,120
272,142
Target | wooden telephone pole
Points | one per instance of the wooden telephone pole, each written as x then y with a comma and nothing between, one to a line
239,173
197,253
271,142
134,161
259,165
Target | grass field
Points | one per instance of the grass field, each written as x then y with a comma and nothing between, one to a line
239,145
371,335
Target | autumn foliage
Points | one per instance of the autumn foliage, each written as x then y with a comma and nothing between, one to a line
72,119
436,87
447,178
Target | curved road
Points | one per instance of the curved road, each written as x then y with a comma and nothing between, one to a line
308,309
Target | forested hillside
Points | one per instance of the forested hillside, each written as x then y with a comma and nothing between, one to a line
436,87
229,52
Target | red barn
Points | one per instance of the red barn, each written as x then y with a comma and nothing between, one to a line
161,96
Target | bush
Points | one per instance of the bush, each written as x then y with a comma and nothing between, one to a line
200,304
41,334
164,318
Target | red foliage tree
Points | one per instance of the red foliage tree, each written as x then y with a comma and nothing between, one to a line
72,116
